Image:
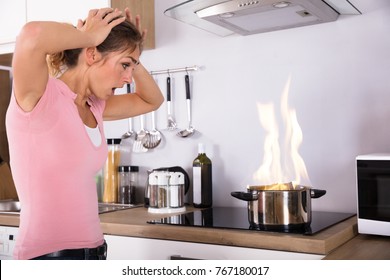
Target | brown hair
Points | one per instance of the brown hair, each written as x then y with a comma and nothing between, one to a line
124,36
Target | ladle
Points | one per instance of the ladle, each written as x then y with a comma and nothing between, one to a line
190,130
130,132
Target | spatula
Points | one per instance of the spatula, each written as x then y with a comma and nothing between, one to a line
171,122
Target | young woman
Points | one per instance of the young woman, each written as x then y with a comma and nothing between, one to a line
51,123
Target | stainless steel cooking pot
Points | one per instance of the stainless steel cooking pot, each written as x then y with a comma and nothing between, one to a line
279,207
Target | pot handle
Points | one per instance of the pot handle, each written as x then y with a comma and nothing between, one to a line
247,196
315,193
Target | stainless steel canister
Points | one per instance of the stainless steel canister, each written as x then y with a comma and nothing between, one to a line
176,189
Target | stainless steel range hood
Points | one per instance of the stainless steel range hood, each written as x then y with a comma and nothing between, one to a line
246,17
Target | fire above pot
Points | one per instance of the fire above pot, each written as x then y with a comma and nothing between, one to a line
279,206
285,206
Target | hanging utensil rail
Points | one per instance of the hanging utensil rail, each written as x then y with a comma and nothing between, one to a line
174,70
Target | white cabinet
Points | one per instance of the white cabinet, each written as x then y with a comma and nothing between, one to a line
12,18
132,248
7,241
14,14
64,11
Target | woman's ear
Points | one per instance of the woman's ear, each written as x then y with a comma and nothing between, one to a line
92,55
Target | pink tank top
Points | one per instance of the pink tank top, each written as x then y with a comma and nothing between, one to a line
54,164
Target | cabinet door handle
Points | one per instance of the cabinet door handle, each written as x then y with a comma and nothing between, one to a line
178,257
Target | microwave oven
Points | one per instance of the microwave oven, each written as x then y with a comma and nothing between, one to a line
373,193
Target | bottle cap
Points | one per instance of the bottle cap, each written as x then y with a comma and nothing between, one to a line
123,168
134,168
173,178
153,178
114,141
162,178
201,149
177,178
128,168
180,178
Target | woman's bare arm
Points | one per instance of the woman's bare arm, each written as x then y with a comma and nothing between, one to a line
37,39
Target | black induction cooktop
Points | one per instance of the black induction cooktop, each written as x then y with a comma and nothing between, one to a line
237,218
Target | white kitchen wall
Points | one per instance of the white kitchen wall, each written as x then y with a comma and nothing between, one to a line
340,88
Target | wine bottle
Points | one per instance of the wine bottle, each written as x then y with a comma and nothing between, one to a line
202,179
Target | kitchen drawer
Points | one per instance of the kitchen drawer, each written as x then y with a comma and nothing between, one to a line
133,248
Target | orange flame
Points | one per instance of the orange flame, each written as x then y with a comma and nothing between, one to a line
293,168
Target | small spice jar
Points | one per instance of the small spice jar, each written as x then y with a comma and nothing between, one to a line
162,182
127,183
176,190
152,190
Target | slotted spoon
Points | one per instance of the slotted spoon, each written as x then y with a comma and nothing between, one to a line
138,146
189,131
153,138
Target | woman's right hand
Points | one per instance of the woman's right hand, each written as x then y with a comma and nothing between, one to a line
99,23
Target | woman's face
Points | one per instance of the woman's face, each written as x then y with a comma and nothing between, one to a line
114,71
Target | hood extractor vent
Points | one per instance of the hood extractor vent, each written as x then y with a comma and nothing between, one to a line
250,17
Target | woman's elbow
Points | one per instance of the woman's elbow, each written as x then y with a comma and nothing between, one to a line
160,101
30,34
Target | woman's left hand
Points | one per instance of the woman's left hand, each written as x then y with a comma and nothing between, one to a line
129,17
136,22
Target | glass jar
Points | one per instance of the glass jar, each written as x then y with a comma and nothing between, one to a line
99,185
110,192
162,196
127,183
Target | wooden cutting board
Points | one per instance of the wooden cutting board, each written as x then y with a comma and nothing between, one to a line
7,186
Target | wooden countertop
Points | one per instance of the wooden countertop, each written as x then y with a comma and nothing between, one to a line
337,242
363,247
